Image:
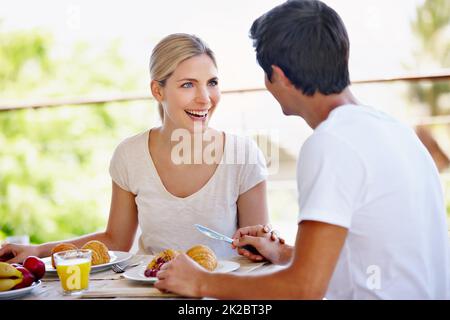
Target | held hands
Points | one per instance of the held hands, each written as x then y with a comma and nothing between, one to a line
263,238
16,253
184,276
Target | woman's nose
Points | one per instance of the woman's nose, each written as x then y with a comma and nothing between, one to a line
203,96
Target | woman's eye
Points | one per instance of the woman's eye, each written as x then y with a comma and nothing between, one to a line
187,85
213,83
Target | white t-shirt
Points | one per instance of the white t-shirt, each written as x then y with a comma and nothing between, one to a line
369,173
167,221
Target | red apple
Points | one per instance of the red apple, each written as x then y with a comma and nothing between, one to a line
27,280
35,265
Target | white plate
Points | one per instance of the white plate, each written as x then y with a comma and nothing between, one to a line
116,257
13,294
137,274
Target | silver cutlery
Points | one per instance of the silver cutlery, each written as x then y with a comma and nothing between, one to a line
218,236
117,268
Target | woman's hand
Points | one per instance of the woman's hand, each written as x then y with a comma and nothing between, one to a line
181,275
17,253
259,231
263,238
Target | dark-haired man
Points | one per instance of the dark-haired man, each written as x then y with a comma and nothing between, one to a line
372,219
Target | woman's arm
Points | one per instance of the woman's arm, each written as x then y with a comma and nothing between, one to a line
119,233
123,219
121,228
252,206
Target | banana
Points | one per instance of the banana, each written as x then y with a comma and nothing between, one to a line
8,284
8,271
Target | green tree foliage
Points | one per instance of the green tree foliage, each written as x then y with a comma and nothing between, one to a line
432,28
20,51
54,181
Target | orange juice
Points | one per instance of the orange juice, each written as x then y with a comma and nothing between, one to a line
74,274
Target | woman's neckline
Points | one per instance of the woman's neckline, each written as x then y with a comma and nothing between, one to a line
158,177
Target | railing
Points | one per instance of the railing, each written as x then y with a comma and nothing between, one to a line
47,103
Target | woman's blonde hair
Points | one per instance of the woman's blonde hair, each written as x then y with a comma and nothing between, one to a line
170,52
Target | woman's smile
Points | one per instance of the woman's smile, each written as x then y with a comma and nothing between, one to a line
197,115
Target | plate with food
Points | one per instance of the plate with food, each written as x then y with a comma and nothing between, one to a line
18,280
18,293
203,255
102,258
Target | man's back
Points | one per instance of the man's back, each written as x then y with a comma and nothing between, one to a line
369,173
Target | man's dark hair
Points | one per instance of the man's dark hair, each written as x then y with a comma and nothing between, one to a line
308,41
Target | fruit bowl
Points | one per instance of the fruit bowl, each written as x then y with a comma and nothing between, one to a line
17,293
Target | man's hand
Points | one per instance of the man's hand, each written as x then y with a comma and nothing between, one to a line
263,238
181,275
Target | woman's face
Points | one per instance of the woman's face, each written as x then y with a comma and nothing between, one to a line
191,94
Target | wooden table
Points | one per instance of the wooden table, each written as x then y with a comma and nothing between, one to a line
110,285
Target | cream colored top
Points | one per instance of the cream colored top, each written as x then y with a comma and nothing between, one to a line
167,221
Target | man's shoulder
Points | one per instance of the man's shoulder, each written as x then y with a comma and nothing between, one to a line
358,125
325,142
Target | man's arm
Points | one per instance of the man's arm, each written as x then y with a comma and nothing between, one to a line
317,250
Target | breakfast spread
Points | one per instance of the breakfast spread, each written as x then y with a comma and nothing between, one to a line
100,254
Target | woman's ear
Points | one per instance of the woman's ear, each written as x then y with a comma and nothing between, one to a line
279,76
157,91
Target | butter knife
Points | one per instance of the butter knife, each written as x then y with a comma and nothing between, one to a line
218,236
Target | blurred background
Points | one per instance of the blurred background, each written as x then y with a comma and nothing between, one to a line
74,82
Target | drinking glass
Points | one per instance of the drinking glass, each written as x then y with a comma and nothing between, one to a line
73,268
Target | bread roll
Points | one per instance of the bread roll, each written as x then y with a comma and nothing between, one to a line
204,256
62,247
100,254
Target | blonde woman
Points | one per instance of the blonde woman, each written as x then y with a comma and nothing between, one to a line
158,183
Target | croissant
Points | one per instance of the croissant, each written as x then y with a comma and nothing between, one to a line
155,265
204,256
100,254
62,247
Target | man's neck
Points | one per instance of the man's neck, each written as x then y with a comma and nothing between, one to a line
319,106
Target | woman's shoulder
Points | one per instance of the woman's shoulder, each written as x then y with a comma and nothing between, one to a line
132,142
240,141
244,149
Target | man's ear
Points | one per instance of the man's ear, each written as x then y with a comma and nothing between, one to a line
157,91
279,76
